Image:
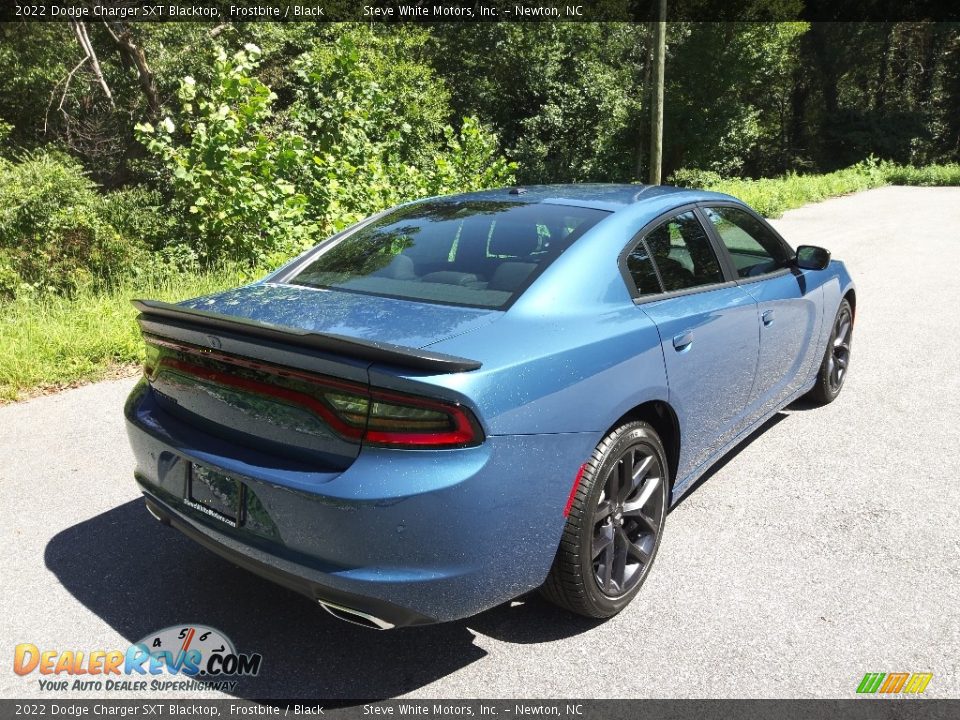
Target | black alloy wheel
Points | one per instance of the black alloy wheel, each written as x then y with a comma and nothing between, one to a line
615,524
627,521
836,358
839,350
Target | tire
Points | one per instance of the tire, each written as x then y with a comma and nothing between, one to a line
608,548
836,358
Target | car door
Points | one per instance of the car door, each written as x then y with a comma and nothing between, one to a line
789,317
708,331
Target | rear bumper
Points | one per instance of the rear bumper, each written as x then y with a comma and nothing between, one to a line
289,576
408,537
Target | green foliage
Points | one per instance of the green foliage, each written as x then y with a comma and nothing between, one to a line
142,215
729,90
693,178
33,63
233,180
51,341
470,162
55,229
939,175
362,87
567,99
375,123
773,196
887,89
259,188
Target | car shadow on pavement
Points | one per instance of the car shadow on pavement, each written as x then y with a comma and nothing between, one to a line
140,576
731,455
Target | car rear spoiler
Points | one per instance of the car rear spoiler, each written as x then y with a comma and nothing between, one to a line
155,313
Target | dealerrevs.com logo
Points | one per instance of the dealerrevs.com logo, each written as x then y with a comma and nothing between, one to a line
180,657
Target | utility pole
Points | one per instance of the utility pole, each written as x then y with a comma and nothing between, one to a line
656,112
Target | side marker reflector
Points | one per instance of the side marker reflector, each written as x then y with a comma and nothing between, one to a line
573,490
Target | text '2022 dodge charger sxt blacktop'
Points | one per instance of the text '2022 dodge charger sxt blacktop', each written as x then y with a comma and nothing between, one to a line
466,398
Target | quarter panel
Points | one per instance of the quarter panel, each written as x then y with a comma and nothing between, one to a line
563,374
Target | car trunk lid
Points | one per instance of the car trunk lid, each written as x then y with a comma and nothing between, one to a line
356,315
285,370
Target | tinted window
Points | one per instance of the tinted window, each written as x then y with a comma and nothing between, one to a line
754,249
682,254
641,270
468,253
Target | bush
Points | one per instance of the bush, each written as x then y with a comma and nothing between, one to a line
693,178
234,182
143,215
942,175
362,84
55,229
259,189
377,136
772,196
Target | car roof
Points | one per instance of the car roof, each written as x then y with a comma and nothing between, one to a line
601,196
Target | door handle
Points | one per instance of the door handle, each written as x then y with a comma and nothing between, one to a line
767,317
683,340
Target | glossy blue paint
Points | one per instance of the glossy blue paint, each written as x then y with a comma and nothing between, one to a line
789,335
442,534
368,317
710,378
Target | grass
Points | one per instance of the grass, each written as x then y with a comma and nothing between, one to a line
930,175
773,196
49,342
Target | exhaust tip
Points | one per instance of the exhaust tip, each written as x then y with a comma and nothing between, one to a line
157,515
355,617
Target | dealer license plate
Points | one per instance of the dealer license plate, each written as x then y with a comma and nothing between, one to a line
215,494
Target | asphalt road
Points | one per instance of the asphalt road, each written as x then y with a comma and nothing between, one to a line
825,547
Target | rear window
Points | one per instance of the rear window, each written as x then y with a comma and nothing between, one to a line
481,254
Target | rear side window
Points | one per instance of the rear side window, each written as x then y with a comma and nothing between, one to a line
754,249
682,255
481,253
640,267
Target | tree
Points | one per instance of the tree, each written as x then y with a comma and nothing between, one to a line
565,98
656,110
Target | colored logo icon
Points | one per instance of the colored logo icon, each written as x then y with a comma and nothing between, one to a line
894,683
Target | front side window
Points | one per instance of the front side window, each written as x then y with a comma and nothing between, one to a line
681,251
754,249
476,253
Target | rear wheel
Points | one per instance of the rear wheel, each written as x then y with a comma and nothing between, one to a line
836,358
613,530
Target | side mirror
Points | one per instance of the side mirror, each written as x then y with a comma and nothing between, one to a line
811,257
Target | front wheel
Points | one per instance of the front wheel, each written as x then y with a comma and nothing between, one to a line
836,359
614,526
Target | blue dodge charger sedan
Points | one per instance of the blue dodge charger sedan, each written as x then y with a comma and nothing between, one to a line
466,398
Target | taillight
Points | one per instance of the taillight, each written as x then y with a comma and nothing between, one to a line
391,419
354,411
409,421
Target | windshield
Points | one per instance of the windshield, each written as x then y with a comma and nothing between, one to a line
480,254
